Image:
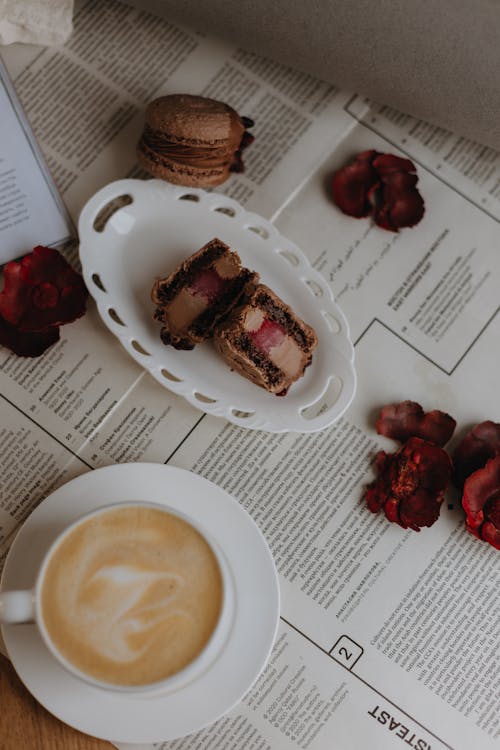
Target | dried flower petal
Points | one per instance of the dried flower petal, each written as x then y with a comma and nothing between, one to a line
41,291
381,185
351,185
386,164
481,502
26,344
408,419
399,208
479,445
411,484
400,204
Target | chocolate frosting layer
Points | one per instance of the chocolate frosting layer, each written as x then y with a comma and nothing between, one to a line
203,155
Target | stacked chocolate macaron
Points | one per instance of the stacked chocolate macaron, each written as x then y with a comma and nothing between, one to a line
191,140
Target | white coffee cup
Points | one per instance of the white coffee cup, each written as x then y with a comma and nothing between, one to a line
134,590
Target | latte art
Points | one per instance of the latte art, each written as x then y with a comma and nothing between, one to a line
122,607
132,595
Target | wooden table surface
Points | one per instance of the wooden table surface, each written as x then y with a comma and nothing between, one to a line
26,725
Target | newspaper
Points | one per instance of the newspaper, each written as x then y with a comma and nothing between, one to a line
387,637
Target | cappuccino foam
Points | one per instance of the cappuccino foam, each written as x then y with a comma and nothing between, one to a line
132,595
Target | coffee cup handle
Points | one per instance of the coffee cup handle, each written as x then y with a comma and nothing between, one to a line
17,606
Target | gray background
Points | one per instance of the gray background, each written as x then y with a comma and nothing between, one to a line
438,60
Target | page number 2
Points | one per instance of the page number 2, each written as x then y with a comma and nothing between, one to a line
346,651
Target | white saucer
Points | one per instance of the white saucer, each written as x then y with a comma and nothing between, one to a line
132,719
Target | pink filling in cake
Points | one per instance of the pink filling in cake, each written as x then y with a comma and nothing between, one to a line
272,339
208,284
268,336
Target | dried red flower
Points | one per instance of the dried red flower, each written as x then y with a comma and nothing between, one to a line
41,291
479,445
26,344
381,185
408,419
481,502
411,484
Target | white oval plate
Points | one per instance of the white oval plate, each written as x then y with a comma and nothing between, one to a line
162,225
152,718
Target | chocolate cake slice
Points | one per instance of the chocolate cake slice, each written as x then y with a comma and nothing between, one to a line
265,341
198,293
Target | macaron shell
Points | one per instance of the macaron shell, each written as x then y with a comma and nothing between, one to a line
195,119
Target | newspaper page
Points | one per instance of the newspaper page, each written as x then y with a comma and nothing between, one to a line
387,636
